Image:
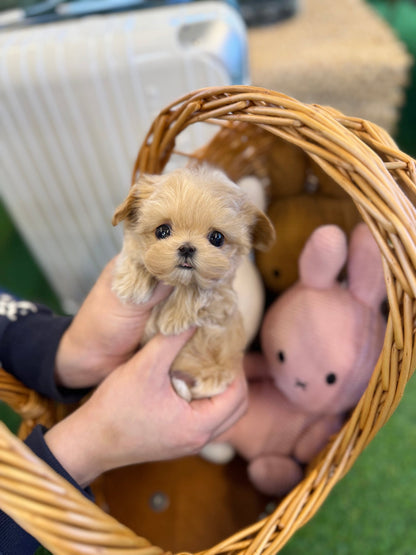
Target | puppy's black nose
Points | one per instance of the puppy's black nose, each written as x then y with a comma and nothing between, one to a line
187,250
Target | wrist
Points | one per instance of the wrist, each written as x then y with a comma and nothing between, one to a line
81,364
76,445
71,363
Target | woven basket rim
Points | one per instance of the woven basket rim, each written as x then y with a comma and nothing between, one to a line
381,180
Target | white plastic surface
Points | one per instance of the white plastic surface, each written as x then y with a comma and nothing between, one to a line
77,98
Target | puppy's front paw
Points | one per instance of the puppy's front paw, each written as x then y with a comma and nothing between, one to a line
183,383
192,388
205,388
181,389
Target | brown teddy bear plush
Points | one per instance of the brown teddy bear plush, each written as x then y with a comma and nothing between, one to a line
295,218
300,197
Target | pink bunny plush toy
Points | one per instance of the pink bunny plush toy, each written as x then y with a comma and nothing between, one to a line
320,342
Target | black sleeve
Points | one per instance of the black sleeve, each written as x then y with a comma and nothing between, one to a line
13,539
29,339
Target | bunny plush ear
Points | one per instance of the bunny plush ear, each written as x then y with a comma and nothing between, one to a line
323,257
142,189
365,268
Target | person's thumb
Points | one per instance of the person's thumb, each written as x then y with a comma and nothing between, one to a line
159,353
161,292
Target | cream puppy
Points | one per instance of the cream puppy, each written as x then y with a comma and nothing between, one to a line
190,229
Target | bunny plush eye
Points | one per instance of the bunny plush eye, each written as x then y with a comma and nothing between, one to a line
331,378
280,356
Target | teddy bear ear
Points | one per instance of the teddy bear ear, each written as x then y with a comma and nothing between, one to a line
365,267
262,232
142,189
323,257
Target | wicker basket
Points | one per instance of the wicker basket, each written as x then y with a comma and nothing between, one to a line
363,160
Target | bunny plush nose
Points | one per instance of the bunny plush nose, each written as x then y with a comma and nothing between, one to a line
187,250
299,383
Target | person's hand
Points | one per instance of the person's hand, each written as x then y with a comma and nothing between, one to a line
104,333
135,416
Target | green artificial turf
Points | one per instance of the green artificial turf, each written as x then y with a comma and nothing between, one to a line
401,16
372,510
19,273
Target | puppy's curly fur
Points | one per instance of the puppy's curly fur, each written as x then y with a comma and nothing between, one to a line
190,229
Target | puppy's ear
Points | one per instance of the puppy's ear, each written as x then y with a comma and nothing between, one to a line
138,192
126,207
262,231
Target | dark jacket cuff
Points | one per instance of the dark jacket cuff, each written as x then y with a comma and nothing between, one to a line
28,350
13,539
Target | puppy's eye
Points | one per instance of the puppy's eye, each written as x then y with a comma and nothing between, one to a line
216,238
163,231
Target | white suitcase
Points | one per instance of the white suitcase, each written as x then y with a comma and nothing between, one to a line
77,98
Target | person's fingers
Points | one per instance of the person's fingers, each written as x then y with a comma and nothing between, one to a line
238,413
159,353
221,411
240,398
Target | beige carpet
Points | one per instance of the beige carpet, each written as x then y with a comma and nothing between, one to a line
333,53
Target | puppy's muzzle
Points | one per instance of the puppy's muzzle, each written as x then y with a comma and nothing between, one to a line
187,250
186,253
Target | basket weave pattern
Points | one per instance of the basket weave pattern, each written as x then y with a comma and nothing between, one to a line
365,162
